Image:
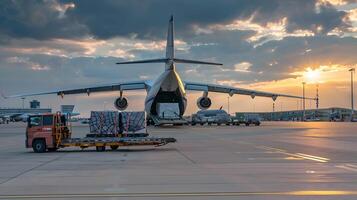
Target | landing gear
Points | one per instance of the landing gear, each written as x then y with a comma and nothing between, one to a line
100,148
114,147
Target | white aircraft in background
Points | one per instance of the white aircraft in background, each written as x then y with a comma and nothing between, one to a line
168,88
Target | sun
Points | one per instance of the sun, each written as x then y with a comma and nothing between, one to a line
312,75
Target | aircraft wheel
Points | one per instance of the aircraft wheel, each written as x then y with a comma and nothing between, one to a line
114,147
100,148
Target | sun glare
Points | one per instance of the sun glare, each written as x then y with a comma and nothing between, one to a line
312,75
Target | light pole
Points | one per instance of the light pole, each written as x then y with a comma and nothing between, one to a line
273,116
352,70
303,101
317,100
228,104
317,96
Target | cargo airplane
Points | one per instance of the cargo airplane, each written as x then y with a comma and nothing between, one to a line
168,88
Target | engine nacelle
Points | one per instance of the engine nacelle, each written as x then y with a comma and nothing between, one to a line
121,103
204,103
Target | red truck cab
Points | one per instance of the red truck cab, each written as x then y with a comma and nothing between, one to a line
45,131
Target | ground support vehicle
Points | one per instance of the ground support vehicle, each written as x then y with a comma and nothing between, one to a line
210,117
49,132
246,119
220,117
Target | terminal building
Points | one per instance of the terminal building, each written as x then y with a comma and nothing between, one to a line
322,114
33,109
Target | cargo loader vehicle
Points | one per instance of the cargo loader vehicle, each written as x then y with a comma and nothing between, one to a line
52,131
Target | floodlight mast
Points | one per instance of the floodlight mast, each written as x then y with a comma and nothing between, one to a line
352,70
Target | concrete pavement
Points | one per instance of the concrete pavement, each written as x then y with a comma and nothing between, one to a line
278,160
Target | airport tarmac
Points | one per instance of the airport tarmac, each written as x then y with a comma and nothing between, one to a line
277,160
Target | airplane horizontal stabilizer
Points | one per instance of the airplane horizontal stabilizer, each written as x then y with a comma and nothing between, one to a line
162,60
195,62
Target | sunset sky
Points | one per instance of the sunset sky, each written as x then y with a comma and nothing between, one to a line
270,45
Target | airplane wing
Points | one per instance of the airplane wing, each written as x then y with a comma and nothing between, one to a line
234,90
102,88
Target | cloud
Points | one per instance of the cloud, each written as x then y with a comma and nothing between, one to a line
39,20
148,19
23,60
242,67
263,33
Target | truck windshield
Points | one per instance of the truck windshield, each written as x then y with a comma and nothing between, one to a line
35,121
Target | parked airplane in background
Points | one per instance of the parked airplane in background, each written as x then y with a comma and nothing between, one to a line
168,88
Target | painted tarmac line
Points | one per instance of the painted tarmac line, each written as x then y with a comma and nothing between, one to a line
183,194
311,156
351,165
348,167
300,155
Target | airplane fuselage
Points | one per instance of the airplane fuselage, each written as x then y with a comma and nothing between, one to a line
167,88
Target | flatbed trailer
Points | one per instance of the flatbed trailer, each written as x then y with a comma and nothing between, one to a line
49,132
114,142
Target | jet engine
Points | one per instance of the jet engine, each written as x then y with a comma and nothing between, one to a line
121,103
204,103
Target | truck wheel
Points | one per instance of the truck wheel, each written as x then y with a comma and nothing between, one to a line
39,146
114,147
100,148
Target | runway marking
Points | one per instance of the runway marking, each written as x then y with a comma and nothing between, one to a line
348,167
320,159
300,155
33,168
185,156
184,194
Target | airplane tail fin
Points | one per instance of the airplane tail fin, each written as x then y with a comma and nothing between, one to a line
170,46
170,52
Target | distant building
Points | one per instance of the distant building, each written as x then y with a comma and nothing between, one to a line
34,104
67,108
11,111
323,114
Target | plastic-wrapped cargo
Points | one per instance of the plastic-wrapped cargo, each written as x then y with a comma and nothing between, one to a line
105,122
133,122
113,122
